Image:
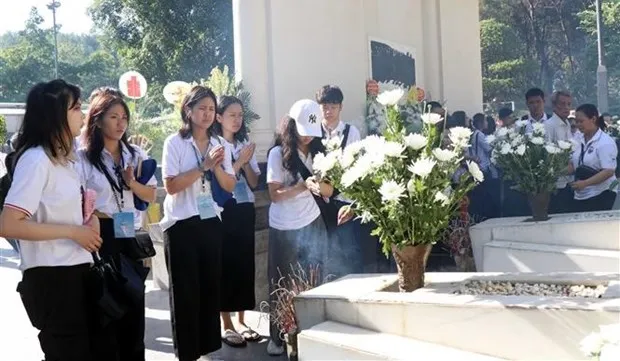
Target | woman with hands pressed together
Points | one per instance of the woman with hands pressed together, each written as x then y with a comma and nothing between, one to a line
43,210
297,233
593,162
238,218
193,159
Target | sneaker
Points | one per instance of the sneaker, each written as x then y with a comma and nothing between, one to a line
273,349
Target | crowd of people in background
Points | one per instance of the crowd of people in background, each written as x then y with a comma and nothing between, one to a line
209,171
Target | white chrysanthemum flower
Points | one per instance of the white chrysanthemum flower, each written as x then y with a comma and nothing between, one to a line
520,149
431,118
591,344
391,97
502,132
610,333
538,140
475,171
332,143
491,139
393,149
444,155
366,217
459,136
442,198
373,143
505,149
610,352
324,163
350,176
411,185
415,141
521,123
391,191
422,167
516,141
564,145
552,149
539,129
348,158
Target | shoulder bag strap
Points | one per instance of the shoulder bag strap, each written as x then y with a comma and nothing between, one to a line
345,136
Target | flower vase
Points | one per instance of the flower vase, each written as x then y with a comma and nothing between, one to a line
539,204
291,346
411,264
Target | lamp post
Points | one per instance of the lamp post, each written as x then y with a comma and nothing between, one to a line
53,6
602,91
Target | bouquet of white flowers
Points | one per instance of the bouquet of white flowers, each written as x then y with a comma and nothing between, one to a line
404,183
531,162
603,345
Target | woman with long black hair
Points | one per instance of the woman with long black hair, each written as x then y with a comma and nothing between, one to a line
196,164
297,233
107,163
43,210
238,219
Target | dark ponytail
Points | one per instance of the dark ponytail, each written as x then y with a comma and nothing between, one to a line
590,111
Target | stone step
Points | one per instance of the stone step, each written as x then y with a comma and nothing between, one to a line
336,341
511,256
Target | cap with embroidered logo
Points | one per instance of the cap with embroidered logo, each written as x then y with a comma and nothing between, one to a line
308,116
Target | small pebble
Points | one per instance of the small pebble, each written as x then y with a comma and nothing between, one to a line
497,288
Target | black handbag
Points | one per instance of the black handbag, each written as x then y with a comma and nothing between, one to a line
140,247
583,172
106,289
329,210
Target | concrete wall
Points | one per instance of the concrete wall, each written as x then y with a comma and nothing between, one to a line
285,50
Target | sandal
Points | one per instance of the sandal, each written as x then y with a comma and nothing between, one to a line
250,335
233,339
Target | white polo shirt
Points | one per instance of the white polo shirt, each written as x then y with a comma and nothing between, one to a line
47,193
179,157
557,129
236,149
354,133
529,128
293,213
599,153
94,179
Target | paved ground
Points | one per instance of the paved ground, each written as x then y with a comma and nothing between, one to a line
19,339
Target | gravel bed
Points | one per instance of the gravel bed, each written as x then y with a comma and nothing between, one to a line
498,288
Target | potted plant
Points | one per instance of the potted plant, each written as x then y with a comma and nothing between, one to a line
403,183
531,162
603,345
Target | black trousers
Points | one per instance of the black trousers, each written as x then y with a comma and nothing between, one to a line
602,202
123,340
194,260
57,303
562,201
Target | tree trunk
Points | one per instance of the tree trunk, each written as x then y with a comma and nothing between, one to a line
411,263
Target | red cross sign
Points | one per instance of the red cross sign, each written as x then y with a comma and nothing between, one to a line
133,85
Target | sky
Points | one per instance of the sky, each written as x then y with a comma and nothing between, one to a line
71,15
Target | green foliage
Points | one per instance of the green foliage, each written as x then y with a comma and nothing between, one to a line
2,129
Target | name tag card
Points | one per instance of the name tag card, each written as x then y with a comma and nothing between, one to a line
124,225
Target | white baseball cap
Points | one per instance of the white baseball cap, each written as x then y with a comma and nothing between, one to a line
308,117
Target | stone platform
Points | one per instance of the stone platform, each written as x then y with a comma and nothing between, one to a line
519,327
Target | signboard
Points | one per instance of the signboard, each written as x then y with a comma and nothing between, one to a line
391,63
133,85
175,91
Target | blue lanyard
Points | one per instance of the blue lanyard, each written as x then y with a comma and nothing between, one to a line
206,175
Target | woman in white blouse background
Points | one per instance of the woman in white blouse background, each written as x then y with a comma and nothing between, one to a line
43,211
593,162
193,158
238,217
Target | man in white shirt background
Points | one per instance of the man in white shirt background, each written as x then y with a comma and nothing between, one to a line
557,128
535,100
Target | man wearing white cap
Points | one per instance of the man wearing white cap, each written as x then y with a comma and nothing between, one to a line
297,233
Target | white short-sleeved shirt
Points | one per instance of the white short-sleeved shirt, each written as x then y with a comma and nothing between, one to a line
47,193
94,179
293,213
236,149
599,153
557,129
529,127
354,133
179,156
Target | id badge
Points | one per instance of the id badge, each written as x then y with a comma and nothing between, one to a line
205,206
124,225
241,191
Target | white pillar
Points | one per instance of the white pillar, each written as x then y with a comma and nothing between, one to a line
254,66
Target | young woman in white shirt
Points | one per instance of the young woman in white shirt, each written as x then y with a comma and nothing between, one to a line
238,218
192,159
107,163
297,233
593,162
43,210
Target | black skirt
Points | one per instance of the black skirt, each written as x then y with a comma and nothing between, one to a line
237,287
193,249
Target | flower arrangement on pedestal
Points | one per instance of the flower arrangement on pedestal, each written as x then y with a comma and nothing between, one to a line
411,108
531,162
403,183
603,345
